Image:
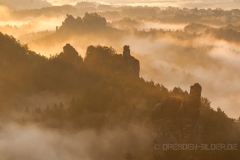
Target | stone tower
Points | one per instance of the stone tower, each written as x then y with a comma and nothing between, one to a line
126,51
195,95
195,90
130,64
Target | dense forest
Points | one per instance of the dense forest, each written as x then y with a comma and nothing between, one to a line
104,91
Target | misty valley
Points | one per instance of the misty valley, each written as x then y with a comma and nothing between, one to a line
119,80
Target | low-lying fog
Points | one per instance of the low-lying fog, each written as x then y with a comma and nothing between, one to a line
36,143
159,25
211,62
163,3
164,58
175,63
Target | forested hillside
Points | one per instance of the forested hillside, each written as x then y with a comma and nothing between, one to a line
106,91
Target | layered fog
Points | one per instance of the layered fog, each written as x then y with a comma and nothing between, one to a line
227,4
176,47
170,52
32,142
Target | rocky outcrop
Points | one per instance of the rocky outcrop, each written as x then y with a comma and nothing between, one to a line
177,120
131,64
70,56
107,61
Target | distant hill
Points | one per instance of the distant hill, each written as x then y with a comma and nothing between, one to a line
7,5
52,11
196,28
90,26
21,4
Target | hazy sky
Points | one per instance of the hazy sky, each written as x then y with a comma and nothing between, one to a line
137,1
225,4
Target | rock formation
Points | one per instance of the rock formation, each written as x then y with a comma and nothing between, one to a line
70,56
177,120
106,60
131,64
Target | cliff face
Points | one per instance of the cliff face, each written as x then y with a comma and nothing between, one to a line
177,120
